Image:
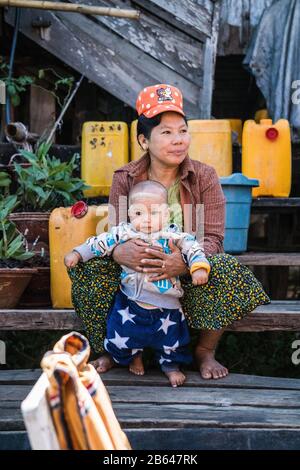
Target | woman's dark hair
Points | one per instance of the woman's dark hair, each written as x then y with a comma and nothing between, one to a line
146,125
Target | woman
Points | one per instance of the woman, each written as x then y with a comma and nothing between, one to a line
232,290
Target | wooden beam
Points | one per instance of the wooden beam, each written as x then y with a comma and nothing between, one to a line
119,376
277,202
279,315
189,16
103,57
269,259
205,98
160,40
42,110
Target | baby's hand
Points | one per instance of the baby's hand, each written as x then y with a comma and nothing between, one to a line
200,277
71,259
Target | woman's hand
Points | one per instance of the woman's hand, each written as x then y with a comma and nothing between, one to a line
71,259
164,265
132,252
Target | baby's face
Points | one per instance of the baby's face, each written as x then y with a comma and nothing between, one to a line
148,215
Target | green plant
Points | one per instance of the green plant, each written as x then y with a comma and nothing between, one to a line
14,86
13,244
47,183
5,181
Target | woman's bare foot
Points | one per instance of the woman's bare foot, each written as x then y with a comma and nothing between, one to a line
103,363
137,366
176,378
208,366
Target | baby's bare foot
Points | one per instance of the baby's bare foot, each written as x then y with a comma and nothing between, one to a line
137,366
176,378
103,364
208,366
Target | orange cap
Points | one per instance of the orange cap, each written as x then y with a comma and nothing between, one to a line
157,99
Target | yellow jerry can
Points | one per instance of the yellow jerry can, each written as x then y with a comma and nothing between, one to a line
211,144
104,149
237,127
266,155
261,114
69,227
136,150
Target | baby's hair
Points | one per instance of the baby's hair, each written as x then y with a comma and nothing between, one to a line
148,188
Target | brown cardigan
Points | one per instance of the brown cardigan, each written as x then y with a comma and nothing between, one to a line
199,184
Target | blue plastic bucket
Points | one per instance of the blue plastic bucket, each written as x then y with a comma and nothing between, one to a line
237,189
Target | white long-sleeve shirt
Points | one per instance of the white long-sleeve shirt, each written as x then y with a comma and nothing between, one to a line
164,293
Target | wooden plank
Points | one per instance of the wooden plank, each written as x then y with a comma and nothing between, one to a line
176,415
183,395
11,393
213,439
12,440
42,319
42,110
265,318
191,16
276,202
205,98
269,259
19,376
121,377
110,62
187,439
224,397
273,317
158,39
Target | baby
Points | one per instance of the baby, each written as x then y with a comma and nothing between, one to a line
147,313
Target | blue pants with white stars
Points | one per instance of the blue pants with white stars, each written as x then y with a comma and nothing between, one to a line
131,328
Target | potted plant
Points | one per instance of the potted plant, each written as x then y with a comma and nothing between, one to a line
14,253
45,184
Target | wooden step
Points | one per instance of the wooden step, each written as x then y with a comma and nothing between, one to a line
277,202
237,412
278,315
269,259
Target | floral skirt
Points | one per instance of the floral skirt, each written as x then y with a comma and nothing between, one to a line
231,293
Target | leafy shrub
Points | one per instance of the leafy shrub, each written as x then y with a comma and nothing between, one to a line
12,243
47,183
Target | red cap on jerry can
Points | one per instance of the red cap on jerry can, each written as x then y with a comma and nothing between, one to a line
79,209
272,133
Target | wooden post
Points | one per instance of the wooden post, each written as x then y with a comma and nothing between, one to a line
205,103
69,7
42,110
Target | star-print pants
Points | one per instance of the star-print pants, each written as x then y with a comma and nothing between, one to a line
231,293
131,328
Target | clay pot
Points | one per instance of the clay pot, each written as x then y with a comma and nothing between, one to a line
13,282
37,293
36,222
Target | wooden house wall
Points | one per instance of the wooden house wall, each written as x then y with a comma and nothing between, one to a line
172,42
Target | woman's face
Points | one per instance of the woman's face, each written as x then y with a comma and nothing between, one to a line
169,141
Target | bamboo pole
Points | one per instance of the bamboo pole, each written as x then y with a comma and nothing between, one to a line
71,7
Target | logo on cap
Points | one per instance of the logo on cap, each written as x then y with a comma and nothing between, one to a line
164,94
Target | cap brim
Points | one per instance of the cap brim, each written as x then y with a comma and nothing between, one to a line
163,108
